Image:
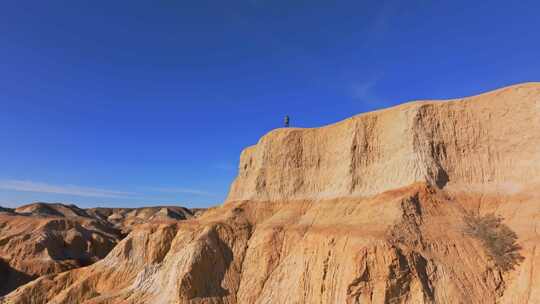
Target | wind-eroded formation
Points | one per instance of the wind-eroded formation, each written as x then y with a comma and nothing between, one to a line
392,206
40,239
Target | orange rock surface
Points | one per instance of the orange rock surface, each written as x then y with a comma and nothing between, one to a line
373,209
39,239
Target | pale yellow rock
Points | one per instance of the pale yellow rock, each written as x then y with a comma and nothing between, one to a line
368,210
485,141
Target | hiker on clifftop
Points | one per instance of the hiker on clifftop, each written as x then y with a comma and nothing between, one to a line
286,121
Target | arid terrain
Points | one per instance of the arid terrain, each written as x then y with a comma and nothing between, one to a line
40,238
426,202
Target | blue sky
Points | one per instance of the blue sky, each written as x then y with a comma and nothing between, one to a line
131,103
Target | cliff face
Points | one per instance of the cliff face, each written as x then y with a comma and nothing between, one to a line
478,141
386,207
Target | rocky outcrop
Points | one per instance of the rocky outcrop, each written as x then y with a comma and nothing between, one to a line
481,141
125,219
32,245
40,238
5,210
374,209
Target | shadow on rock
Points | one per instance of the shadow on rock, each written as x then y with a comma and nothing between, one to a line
209,267
11,278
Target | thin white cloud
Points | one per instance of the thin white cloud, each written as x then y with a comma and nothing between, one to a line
365,90
32,186
182,190
7,204
362,90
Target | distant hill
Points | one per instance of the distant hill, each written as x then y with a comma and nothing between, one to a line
42,238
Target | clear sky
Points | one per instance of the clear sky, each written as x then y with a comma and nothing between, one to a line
131,103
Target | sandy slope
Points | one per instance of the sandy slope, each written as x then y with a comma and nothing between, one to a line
369,210
40,238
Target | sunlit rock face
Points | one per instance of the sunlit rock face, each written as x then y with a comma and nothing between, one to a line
392,206
40,239
481,141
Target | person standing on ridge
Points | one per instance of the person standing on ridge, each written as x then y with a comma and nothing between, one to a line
286,121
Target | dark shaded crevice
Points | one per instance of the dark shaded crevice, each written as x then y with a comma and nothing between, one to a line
430,150
420,266
361,284
11,278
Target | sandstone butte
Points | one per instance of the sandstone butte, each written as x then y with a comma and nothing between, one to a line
372,209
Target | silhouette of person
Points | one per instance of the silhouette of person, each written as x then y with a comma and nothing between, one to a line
286,121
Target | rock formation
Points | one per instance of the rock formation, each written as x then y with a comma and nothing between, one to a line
125,219
393,206
40,238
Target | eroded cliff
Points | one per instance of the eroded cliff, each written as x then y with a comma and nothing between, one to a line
378,208
486,140
40,238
